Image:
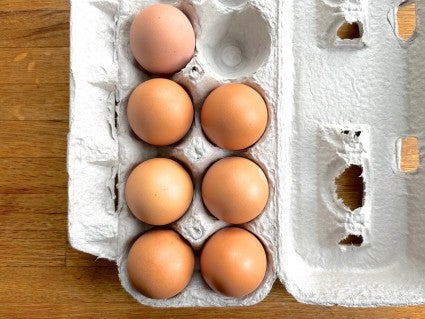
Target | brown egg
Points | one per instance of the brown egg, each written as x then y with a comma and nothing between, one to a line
160,112
234,116
233,262
159,191
235,190
162,39
160,264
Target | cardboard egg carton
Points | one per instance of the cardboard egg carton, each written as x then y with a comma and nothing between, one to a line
333,104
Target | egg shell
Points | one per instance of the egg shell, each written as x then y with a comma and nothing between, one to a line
235,190
233,262
159,191
234,116
160,112
160,264
162,39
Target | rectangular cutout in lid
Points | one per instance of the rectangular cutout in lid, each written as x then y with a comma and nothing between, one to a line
409,155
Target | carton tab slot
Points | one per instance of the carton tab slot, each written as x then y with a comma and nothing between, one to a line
350,187
350,31
409,155
406,20
352,240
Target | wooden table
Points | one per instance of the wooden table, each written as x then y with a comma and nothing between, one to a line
40,275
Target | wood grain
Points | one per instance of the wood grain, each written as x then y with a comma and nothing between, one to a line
34,248
74,258
33,139
410,155
33,175
41,276
34,29
34,102
45,65
32,204
25,5
406,19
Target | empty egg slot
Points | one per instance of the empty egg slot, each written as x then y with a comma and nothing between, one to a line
352,240
238,42
350,31
409,155
406,20
350,187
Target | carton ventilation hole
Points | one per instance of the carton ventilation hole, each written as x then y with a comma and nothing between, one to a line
356,133
350,31
352,240
350,187
195,73
409,155
406,20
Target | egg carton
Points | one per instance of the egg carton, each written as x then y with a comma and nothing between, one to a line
333,103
